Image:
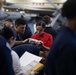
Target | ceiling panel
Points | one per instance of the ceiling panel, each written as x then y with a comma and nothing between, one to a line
27,1
34,3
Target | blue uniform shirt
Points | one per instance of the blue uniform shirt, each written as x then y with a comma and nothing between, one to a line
6,67
62,57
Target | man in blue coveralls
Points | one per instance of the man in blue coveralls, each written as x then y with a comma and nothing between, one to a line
62,57
6,67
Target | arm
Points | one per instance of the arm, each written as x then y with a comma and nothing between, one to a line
45,48
6,67
21,42
49,41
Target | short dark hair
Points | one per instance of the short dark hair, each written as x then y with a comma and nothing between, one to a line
20,21
46,19
69,9
41,23
7,33
10,20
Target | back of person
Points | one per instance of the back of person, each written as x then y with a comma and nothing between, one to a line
6,67
48,28
51,31
62,58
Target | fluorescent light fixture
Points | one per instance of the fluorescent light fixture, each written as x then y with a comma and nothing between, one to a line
22,12
63,0
6,9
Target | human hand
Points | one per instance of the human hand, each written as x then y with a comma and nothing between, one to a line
25,41
42,54
39,44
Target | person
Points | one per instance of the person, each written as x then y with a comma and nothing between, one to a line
22,30
19,28
48,28
46,38
62,57
8,22
27,33
10,37
6,67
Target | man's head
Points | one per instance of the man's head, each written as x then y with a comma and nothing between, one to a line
9,35
20,25
46,19
8,23
69,11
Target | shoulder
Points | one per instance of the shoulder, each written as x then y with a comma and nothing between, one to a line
28,29
2,41
2,38
47,34
34,35
15,33
14,55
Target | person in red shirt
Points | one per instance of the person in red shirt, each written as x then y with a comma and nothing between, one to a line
46,38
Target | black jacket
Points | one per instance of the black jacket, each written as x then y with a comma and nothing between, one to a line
51,31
